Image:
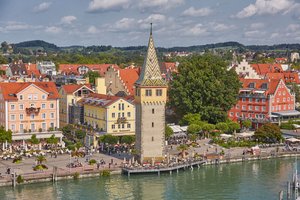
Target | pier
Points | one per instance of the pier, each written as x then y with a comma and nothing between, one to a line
159,169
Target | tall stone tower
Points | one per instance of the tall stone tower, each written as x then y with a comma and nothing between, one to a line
150,98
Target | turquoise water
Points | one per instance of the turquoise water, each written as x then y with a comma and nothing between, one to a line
244,181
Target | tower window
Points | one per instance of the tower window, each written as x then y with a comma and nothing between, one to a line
159,92
152,124
149,92
152,110
152,139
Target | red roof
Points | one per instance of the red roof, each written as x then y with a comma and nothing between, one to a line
69,89
169,66
9,90
73,68
288,77
263,69
129,77
271,84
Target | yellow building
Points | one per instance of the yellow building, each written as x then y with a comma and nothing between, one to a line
109,114
69,111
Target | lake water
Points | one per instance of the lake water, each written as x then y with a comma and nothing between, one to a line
259,180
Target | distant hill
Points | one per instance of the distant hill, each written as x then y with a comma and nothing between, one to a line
42,45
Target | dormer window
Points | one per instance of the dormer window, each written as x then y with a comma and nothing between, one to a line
251,85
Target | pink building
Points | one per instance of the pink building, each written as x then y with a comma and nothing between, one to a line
29,107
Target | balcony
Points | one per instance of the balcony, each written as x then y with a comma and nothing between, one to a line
32,110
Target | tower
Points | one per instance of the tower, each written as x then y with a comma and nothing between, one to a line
150,98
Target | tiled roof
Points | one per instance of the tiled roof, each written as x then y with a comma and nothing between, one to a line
9,90
263,69
258,84
99,99
69,89
168,67
73,68
288,77
129,77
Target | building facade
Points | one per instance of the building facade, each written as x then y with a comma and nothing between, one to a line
70,112
263,101
29,108
109,114
47,68
150,99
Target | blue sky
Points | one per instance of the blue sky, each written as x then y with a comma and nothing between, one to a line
126,22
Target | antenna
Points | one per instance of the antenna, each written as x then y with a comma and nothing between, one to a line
151,28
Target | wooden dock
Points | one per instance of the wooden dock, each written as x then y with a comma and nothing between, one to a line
160,169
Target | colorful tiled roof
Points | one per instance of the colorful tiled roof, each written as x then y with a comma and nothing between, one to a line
69,89
269,85
263,69
9,90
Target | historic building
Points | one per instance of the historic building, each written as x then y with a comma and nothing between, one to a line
150,99
263,100
70,112
27,108
109,114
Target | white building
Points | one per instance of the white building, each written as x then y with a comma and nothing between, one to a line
47,67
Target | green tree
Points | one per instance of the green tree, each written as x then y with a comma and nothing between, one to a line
128,139
67,130
247,123
207,128
109,139
268,133
40,159
222,126
205,86
52,140
183,149
5,136
33,140
80,134
193,129
233,126
92,76
168,132
190,118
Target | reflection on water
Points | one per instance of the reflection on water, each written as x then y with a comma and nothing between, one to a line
244,181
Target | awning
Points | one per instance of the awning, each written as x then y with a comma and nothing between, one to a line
292,140
226,136
287,113
245,90
259,91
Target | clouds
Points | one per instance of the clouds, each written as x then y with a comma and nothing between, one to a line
192,12
106,5
53,29
159,4
68,19
42,7
265,7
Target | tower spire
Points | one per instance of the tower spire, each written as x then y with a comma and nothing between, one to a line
151,28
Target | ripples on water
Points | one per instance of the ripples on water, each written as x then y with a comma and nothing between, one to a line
242,181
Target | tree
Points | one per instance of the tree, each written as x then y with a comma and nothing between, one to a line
193,129
247,123
52,140
109,139
233,126
92,76
190,118
222,126
208,128
80,134
205,86
128,139
168,132
268,133
33,140
183,148
67,130
40,159
5,136
193,137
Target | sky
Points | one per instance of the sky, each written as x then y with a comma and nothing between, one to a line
127,22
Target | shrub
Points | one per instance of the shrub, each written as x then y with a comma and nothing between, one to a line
105,173
76,175
20,179
40,167
92,162
40,129
287,126
17,160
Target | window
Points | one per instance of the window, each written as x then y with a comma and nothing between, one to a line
277,100
32,116
52,125
21,97
21,117
43,105
237,107
35,97
51,105
148,92
119,106
43,96
21,127
231,114
122,106
284,99
119,115
32,105
123,114
128,125
257,100
288,98
119,126
44,126
113,115
113,126
44,116
152,139
250,99
243,99
32,127
13,127
12,107
30,96
152,124
51,115
264,108
128,114
263,100
21,106
123,125
158,92
152,110
243,107
12,117
250,107
257,108
279,93
237,114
